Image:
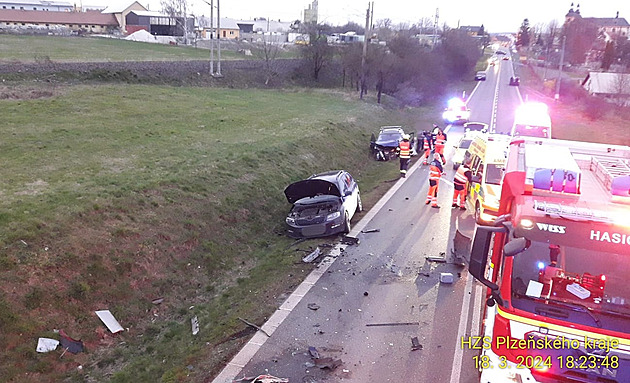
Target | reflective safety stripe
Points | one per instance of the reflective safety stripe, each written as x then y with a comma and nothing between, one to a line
434,173
405,149
426,145
460,176
440,140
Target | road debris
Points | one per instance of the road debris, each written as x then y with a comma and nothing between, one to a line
424,274
69,344
415,344
313,351
157,301
262,379
254,326
313,306
436,259
108,319
46,345
312,256
194,322
365,294
446,277
393,324
347,240
370,231
328,362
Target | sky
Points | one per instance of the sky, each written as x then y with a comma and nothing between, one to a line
496,15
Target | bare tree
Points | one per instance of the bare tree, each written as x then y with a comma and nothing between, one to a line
621,87
552,32
178,9
267,51
424,25
317,53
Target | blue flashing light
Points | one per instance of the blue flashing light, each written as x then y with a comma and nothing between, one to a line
541,265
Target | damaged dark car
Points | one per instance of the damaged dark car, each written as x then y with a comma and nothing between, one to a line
384,148
323,204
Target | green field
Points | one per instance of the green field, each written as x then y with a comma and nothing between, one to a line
113,196
24,49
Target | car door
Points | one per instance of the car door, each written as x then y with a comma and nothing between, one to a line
349,192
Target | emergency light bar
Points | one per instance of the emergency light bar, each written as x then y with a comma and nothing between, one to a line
552,169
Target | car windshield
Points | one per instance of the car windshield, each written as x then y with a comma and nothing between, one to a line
561,281
464,143
458,108
494,174
389,136
475,126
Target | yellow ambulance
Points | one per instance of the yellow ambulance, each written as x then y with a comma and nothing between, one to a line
488,154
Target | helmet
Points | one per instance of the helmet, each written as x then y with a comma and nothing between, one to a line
406,137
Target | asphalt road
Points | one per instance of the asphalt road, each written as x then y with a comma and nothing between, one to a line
359,311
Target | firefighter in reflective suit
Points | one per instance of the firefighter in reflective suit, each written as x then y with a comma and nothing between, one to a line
404,153
435,172
462,177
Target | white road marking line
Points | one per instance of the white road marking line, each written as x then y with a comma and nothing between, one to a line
463,319
495,103
475,325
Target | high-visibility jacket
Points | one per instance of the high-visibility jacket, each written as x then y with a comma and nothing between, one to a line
435,171
426,145
440,140
462,175
405,149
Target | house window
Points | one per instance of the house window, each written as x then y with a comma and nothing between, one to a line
22,8
34,8
47,25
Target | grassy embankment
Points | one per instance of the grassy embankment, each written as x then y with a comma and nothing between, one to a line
113,196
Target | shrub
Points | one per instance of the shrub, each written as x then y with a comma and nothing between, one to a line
595,107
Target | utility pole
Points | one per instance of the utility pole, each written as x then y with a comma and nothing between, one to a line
218,74
372,17
435,26
557,97
364,55
211,4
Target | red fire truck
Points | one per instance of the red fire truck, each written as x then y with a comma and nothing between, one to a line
556,265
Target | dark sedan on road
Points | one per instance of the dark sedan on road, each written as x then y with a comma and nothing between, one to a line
323,204
384,147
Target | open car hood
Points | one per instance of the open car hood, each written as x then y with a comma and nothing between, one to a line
310,188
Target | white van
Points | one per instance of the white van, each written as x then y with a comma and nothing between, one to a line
532,120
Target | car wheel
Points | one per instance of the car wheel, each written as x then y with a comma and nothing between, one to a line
359,204
346,224
478,214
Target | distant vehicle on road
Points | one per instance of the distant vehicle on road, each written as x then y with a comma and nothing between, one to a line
456,112
323,204
480,76
384,147
476,127
532,120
